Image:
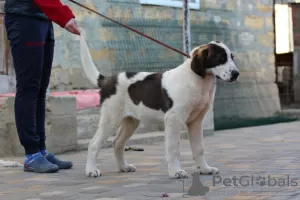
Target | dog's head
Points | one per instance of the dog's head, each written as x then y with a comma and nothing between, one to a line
214,58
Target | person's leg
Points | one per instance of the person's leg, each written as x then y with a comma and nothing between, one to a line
46,73
27,36
41,103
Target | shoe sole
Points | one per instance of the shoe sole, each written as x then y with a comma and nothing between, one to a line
47,171
69,167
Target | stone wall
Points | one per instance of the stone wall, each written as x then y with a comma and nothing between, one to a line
245,26
61,126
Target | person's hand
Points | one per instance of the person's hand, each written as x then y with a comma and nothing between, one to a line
72,27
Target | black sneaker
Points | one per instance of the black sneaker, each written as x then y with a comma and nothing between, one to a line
61,164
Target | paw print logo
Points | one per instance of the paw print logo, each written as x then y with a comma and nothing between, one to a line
197,188
260,181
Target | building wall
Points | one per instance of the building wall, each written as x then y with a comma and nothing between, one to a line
245,26
296,26
7,75
296,54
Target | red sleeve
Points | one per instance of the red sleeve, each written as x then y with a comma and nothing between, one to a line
55,11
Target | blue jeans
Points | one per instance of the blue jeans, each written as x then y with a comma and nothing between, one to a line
32,47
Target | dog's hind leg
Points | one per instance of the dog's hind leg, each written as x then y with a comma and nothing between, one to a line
107,126
125,131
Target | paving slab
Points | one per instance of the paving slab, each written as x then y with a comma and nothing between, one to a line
255,163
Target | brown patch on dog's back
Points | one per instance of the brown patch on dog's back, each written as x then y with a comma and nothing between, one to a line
151,93
108,86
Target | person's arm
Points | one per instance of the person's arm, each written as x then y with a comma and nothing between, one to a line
55,11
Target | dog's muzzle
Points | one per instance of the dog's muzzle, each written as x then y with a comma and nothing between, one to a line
234,75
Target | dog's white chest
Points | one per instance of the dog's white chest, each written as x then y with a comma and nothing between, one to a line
199,95
200,102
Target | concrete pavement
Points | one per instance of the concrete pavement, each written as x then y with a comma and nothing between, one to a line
255,163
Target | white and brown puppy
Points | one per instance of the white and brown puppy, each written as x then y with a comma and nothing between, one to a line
178,96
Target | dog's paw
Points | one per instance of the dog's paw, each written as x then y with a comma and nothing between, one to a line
208,170
92,172
128,168
179,174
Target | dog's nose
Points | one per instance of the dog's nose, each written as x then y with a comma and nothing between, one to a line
234,75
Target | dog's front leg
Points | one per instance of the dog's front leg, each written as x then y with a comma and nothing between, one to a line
172,138
195,130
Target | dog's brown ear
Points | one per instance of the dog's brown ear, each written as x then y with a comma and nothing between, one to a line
199,60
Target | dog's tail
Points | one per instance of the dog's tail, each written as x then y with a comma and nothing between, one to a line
89,67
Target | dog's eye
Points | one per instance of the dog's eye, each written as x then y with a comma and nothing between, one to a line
223,58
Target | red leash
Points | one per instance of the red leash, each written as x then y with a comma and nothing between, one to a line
136,31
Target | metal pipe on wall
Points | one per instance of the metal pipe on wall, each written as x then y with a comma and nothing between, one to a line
186,27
